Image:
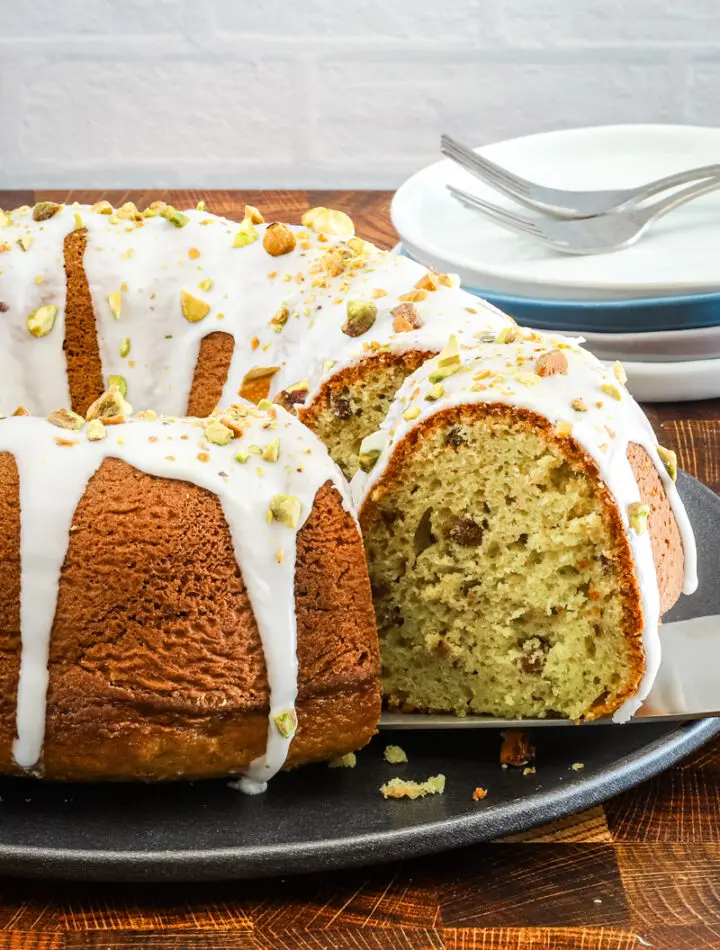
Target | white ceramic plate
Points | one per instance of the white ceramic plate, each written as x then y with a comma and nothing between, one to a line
678,256
673,382
667,346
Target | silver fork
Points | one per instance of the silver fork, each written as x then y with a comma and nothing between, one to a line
597,235
557,201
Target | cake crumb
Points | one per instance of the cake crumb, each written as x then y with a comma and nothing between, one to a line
479,793
577,766
516,749
529,770
400,788
348,761
395,755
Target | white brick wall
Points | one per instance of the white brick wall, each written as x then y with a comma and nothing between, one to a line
327,93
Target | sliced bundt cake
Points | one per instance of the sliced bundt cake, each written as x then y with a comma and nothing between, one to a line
186,311
523,533
178,598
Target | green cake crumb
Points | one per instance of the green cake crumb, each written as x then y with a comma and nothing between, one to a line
395,755
400,788
348,761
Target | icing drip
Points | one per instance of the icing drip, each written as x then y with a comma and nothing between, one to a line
607,422
146,264
53,478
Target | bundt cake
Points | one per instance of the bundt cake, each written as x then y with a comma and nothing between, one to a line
186,311
188,597
178,598
523,533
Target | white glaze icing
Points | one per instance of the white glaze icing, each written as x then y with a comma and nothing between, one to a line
150,261
53,478
498,373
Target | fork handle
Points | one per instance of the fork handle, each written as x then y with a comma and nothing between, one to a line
673,181
660,208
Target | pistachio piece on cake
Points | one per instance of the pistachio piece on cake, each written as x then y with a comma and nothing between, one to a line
66,419
361,315
193,309
286,509
326,221
41,321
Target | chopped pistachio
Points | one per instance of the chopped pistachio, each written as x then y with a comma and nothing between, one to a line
280,319
448,361
45,209
669,460
242,456
102,207
66,419
435,392
286,723
328,365
95,430
507,335
78,221
110,404
193,309
638,514
41,321
125,346
217,433
527,379
115,301
254,215
326,221
26,241
286,509
347,761
271,452
177,218
246,234
619,372
611,390
206,284
367,460
120,382
412,413
361,315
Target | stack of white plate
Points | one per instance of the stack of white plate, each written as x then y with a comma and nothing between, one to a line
654,305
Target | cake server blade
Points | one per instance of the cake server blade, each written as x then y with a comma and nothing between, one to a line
687,686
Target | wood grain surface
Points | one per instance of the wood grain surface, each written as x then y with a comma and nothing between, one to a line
643,870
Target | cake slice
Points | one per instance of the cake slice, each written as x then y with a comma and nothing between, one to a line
523,532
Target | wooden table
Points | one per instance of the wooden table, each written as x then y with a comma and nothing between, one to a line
644,869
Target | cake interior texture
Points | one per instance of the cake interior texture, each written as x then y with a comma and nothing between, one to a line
354,403
501,573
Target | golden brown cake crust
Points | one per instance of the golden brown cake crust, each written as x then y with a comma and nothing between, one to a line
579,459
156,665
211,372
82,353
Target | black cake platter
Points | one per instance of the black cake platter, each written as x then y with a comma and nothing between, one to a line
318,818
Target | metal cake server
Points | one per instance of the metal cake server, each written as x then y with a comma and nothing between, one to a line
687,686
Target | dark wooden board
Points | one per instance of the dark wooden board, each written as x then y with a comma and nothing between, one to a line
642,869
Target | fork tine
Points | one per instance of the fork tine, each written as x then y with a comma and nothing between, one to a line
483,167
499,214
